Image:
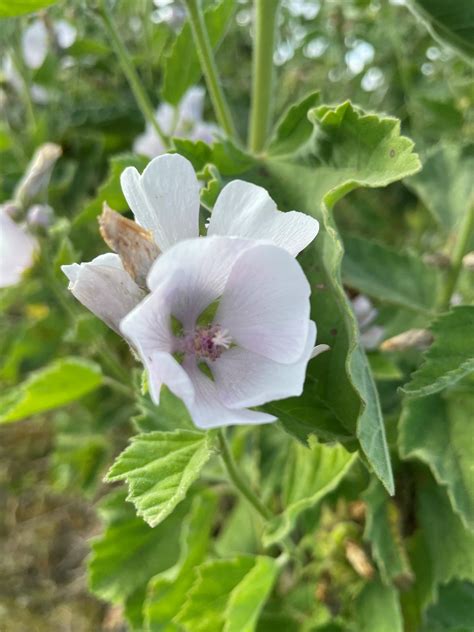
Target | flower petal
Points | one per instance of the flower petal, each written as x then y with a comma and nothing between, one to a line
148,326
204,265
206,409
265,304
17,250
164,369
244,378
246,210
165,198
103,286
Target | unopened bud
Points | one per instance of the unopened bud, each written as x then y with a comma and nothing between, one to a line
38,173
468,261
134,244
359,560
40,216
410,339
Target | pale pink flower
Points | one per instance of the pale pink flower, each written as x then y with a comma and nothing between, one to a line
165,200
255,347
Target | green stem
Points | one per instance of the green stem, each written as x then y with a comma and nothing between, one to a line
238,480
262,72
24,74
460,249
209,68
129,71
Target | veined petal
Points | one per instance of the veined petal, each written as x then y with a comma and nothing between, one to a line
204,266
103,286
164,199
164,369
265,304
246,210
17,250
243,378
207,411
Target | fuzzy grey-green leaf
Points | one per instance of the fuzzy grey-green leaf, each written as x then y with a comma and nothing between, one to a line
159,467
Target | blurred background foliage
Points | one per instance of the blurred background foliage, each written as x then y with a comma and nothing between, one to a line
373,52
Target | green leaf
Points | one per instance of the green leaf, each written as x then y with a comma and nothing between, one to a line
391,276
293,129
453,609
310,474
377,609
229,594
229,159
353,149
450,545
129,552
451,23
179,76
383,531
171,414
167,591
12,8
110,191
445,183
159,468
450,357
438,431
62,382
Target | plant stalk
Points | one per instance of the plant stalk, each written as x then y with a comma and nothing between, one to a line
130,72
262,73
460,249
209,68
238,480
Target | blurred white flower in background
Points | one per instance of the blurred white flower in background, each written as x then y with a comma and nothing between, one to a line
36,39
168,12
185,120
359,56
17,248
370,335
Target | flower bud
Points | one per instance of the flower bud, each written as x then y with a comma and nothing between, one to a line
40,216
468,261
38,173
410,339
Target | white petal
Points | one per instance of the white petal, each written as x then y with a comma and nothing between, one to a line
372,337
265,304
34,43
165,198
191,106
17,250
103,286
318,350
164,369
246,210
65,33
148,325
208,412
244,378
204,265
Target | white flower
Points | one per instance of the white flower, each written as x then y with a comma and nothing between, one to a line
365,313
256,346
165,201
35,40
17,250
185,120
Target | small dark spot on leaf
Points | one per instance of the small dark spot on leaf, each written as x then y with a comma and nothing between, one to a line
392,153
320,286
333,331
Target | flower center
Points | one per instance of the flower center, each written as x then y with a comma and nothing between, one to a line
205,342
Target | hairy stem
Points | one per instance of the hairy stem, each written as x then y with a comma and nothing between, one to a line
262,72
238,480
460,249
130,73
209,68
